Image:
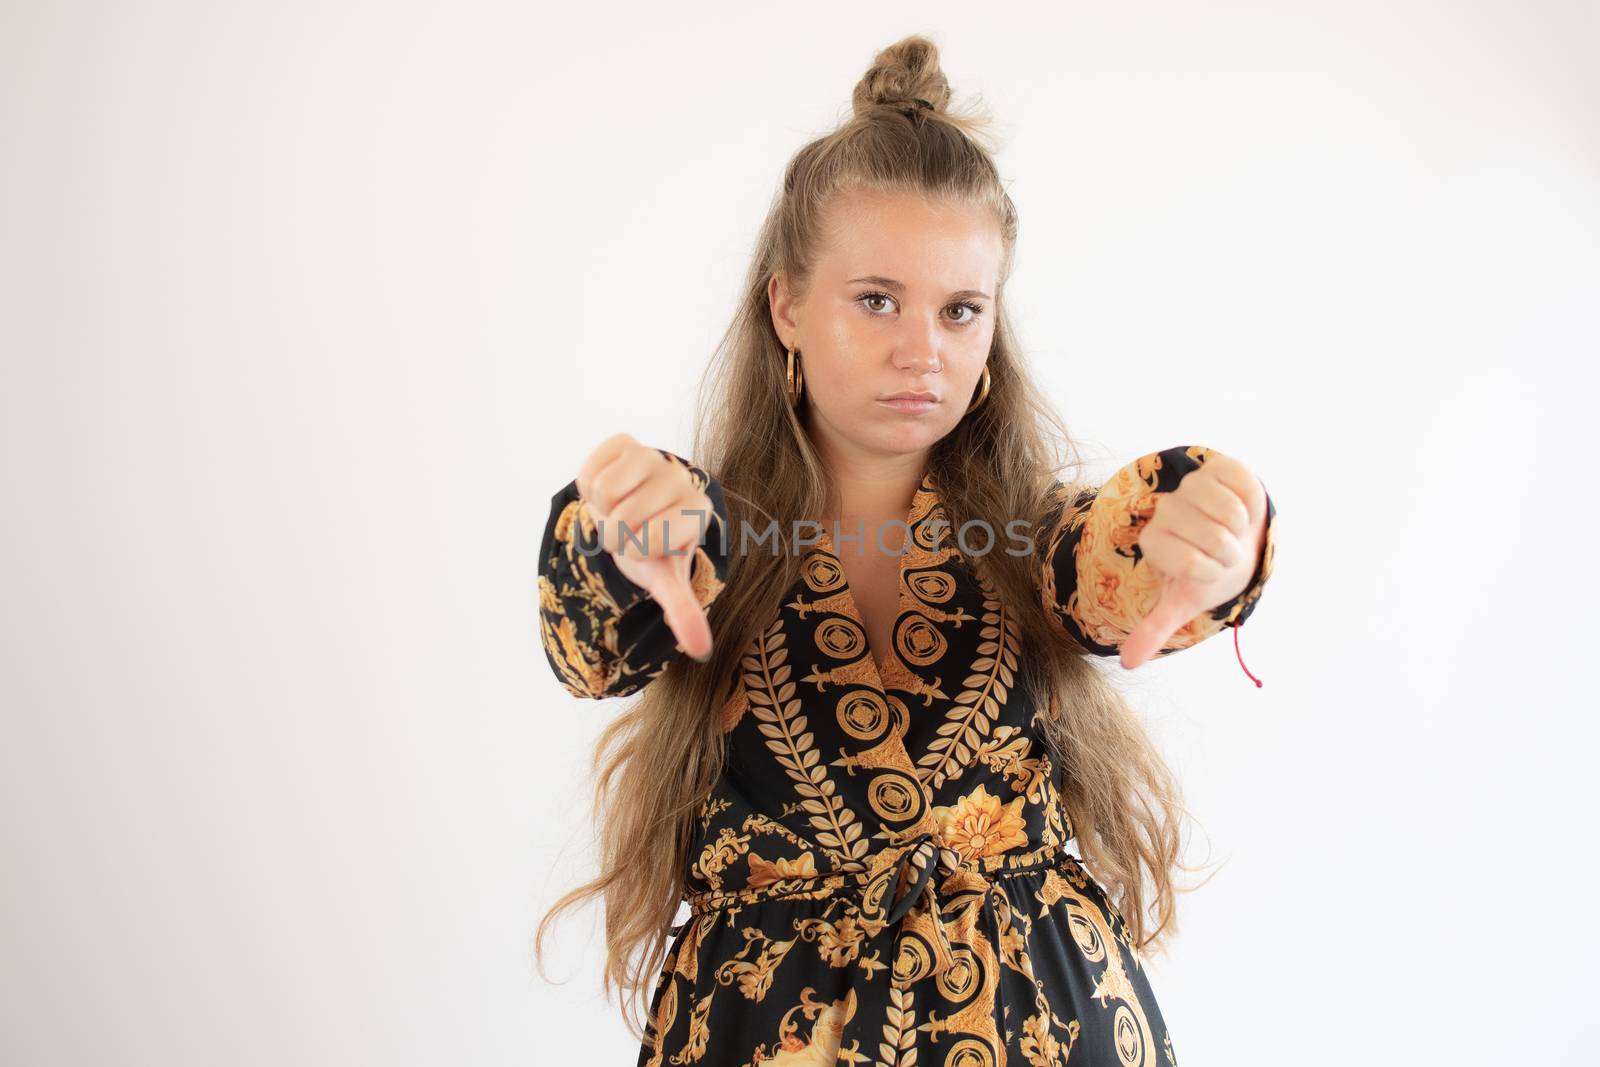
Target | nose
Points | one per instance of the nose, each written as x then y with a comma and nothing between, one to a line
916,349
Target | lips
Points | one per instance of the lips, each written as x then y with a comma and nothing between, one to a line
909,404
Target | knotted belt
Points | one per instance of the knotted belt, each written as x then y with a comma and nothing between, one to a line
957,879
922,857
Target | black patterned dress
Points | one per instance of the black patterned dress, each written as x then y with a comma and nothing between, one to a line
881,874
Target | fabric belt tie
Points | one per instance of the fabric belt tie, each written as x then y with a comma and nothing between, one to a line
881,904
928,857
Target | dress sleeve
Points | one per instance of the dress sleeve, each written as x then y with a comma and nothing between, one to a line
604,635
1092,585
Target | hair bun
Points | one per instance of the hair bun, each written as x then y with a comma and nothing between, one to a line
906,76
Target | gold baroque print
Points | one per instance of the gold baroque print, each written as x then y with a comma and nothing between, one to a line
880,874
984,692
822,574
864,714
838,941
1113,989
897,1048
896,797
715,857
753,978
821,1045
841,639
931,587
917,641
783,725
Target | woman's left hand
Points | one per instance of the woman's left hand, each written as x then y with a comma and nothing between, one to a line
1204,542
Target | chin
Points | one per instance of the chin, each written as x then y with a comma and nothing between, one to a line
908,438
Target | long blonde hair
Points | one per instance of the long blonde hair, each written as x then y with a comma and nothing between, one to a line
661,756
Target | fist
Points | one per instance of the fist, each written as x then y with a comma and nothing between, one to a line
651,518
1204,542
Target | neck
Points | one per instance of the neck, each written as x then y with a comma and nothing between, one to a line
874,488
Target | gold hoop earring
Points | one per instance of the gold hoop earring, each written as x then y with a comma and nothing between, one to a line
983,390
795,379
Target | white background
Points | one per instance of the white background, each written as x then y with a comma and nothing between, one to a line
307,310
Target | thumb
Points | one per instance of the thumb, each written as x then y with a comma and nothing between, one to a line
684,615
1173,609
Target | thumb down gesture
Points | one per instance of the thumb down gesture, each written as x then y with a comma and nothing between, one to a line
1203,542
651,517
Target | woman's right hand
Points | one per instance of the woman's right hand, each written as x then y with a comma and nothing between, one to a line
632,487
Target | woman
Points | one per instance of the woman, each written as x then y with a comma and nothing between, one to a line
860,752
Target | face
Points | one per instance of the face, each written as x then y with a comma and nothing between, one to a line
901,301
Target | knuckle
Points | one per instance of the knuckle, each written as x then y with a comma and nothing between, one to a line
600,484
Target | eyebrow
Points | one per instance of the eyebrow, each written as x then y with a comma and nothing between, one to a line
900,287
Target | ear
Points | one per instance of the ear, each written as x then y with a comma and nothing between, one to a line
780,300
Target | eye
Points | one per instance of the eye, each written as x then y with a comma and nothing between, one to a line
975,310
